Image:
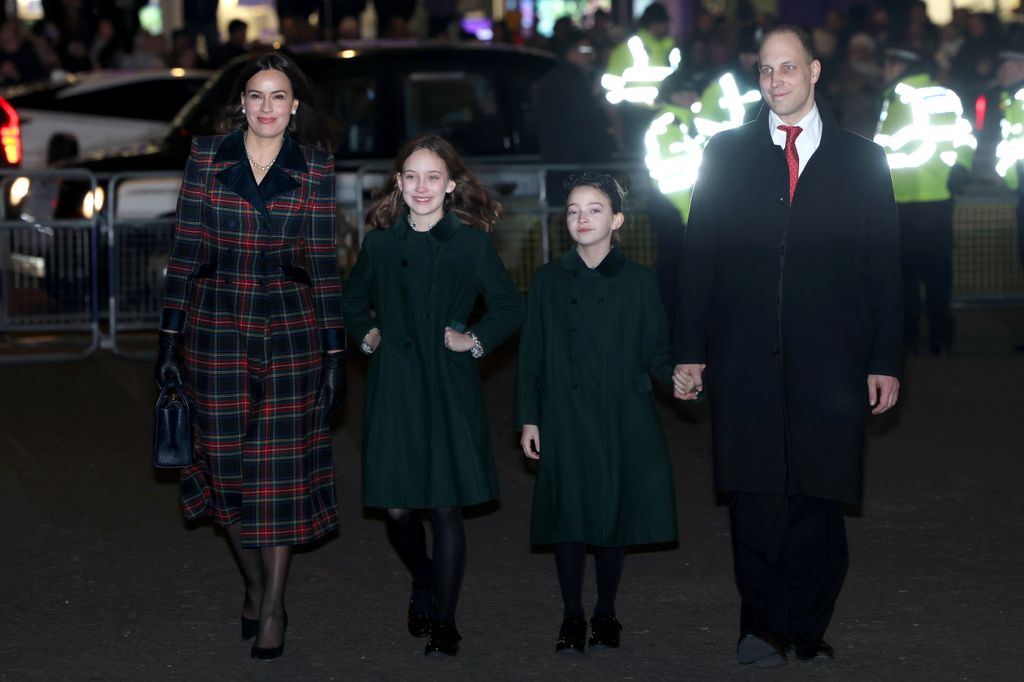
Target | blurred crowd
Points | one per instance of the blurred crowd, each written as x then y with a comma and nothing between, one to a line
77,36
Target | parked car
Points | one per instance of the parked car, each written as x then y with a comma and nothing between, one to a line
380,94
84,113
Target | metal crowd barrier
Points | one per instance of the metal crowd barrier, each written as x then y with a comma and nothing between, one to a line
49,295
68,287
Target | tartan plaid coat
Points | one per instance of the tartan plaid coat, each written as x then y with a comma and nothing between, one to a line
253,284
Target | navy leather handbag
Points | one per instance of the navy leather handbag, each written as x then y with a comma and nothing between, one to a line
172,428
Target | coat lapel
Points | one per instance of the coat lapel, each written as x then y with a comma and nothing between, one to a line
237,176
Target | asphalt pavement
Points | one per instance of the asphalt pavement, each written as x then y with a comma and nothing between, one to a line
102,580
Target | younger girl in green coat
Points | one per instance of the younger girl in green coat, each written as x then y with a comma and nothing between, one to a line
407,303
595,334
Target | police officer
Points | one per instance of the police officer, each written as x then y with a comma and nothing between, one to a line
673,148
734,97
1009,155
1010,147
634,73
930,148
637,66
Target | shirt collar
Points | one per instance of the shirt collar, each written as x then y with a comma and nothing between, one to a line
811,124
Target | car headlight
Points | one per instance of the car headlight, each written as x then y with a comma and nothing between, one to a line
19,190
92,203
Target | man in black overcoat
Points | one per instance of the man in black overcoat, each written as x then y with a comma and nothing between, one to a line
790,319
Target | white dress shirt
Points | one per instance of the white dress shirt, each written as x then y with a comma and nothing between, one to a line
808,140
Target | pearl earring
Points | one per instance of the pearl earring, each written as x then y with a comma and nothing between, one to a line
243,110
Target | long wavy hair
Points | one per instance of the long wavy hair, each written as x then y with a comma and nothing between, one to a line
470,200
308,126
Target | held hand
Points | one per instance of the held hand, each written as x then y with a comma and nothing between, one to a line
333,384
168,367
530,441
372,339
688,381
883,392
457,341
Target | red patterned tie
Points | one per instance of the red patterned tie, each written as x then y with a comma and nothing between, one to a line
792,158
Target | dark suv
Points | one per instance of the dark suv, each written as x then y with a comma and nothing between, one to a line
380,94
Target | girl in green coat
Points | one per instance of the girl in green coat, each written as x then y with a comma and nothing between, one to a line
594,335
425,437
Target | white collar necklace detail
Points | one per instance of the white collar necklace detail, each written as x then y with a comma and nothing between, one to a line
412,223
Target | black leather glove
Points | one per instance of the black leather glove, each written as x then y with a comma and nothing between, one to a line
333,383
168,367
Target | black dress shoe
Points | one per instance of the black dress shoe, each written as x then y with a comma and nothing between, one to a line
444,639
604,631
572,637
250,627
419,622
761,649
812,648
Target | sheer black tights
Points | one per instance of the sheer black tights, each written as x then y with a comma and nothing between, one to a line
444,572
265,571
569,559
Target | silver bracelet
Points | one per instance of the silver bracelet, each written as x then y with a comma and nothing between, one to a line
477,351
365,347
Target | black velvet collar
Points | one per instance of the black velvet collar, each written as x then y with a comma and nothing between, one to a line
609,267
278,180
442,231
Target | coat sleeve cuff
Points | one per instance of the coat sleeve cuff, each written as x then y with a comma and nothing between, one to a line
172,319
333,339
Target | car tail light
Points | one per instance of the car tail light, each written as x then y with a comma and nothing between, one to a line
10,134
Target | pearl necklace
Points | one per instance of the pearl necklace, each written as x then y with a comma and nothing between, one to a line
253,161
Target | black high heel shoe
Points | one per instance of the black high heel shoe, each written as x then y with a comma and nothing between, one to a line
270,653
418,622
444,639
250,627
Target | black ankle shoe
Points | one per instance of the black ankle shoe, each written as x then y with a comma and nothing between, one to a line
419,622
572,637
270,653
444,639
604,631
250,627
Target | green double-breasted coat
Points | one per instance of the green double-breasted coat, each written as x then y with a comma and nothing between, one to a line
425,437
592,340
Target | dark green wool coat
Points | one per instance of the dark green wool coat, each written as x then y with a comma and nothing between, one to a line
425,437
590,344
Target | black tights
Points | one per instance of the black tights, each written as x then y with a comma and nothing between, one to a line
405,529
569,557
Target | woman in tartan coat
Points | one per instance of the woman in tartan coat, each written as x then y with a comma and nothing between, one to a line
407,301
253,287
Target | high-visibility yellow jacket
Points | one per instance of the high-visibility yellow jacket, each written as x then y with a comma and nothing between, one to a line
673,152
726,102
924,134
1010,150
637,66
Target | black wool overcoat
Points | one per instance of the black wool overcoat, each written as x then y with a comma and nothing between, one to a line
791,306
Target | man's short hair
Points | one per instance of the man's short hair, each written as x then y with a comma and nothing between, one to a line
800,32
237,24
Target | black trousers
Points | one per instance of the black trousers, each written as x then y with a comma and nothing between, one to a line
926,234
790,557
